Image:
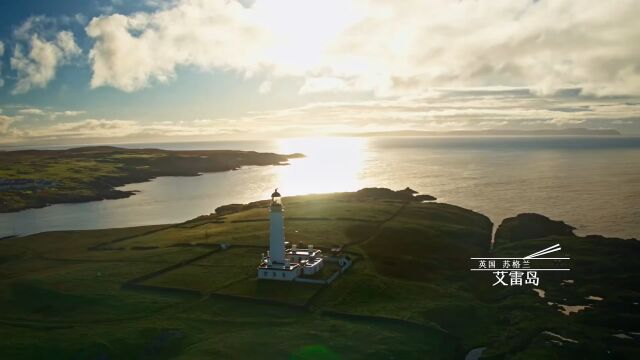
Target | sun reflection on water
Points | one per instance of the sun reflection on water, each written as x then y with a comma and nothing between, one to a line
331,164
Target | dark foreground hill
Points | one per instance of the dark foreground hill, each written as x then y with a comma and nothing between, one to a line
531,226
189,290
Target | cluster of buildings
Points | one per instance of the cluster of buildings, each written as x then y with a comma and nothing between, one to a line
280,262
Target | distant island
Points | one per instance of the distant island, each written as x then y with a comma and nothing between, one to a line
491,132
190,291
37,178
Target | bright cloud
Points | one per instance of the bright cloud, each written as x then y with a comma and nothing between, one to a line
438,110
389,47
39,52
131,51
265,87
323,84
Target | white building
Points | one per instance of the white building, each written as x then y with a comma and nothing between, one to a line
285,264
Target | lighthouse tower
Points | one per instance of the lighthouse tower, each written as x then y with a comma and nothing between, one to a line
281,263
276,265
276,230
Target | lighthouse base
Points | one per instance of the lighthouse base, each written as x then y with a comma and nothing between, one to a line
278,272
298,262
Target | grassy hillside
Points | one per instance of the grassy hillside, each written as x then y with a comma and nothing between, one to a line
172,291
37,178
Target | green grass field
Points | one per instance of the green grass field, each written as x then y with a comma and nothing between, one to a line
91,173
409,294
213,272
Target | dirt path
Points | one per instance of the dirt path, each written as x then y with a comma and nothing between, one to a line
379,227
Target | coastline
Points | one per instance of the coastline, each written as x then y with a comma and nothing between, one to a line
86,174
410,277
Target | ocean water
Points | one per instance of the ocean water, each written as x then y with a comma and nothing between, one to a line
592,183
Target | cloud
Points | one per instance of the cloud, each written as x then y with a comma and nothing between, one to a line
39,52
32,111
88,128
107,129
1,54
5,121
131,51
436,110
443,109
265,87
388,47
323,84
543,45
68,113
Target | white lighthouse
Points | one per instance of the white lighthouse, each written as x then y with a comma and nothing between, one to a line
281,263
276,229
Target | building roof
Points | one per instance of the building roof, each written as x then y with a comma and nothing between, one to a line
304,252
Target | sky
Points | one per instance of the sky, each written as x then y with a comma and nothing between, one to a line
83,71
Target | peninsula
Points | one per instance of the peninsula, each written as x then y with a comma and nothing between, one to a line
190,290
490,132
37,178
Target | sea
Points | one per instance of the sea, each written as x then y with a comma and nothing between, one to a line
591,183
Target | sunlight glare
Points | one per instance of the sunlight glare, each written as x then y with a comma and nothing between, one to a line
331,164
303,30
